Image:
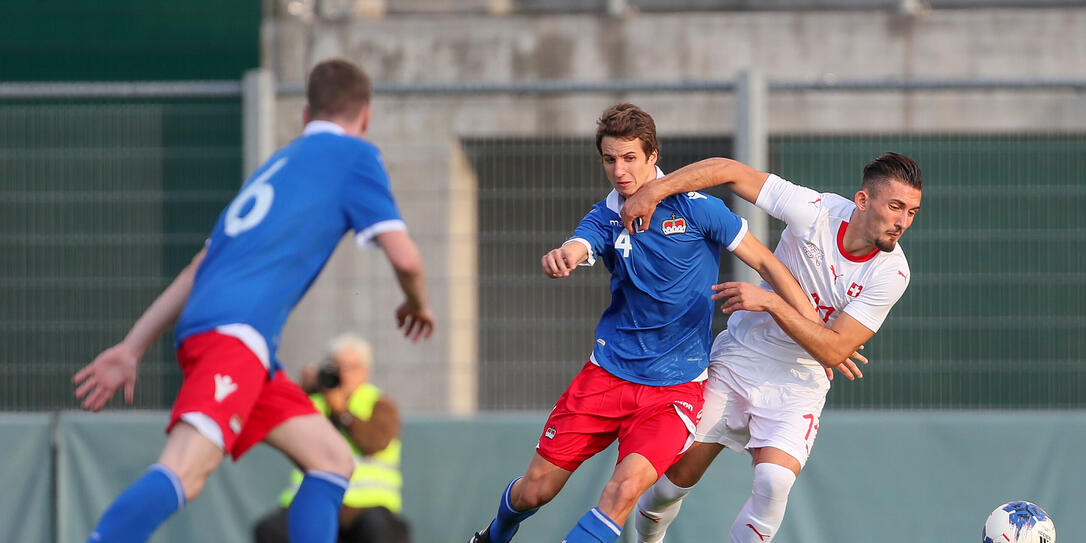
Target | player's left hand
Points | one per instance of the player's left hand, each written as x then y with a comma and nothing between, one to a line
848,368
416,322
99,380
743,297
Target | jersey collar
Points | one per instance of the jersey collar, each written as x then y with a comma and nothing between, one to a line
317,127
615,201
846,254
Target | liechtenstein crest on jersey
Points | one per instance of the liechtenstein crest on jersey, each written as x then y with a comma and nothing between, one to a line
674,225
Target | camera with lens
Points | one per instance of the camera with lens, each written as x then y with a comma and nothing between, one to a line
328,376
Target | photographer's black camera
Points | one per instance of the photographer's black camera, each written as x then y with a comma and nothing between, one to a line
328,376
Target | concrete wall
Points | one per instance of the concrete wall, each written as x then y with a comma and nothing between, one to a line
420,134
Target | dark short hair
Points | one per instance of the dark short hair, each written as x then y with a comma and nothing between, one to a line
337,88
892,166
626,121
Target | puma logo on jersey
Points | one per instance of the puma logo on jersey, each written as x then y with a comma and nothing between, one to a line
224,386
674,225
835,274
696,196
815,202
901,273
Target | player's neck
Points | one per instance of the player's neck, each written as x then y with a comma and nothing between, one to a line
854,242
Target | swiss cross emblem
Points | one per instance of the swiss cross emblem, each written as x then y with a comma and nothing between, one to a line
674,225
854,290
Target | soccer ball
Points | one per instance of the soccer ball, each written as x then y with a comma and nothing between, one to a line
1019,522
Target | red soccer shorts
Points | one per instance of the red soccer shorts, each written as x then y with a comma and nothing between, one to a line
227,396
597,408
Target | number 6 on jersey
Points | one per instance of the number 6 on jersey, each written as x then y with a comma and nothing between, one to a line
262,195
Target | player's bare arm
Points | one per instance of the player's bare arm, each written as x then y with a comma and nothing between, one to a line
414,316
831,346
561,261
751,298
756,255
116,366
744,181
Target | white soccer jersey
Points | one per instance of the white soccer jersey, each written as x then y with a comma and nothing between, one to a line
864,286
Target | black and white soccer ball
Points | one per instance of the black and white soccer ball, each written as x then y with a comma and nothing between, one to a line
1019,522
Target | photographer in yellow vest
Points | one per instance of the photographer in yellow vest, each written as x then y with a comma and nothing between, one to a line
371,424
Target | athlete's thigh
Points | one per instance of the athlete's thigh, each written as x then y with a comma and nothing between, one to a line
789,424
663,426
279,402
222,381
585,420
308,440
726,413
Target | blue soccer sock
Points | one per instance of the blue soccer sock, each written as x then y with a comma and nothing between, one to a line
135,514
508,519
313,516
594,527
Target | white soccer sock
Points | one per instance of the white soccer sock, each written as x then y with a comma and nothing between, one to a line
656,509
763,513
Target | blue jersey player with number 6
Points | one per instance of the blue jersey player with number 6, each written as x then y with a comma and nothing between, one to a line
231,302
643,382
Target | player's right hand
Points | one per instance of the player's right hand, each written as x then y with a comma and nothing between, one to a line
557,263
99,380
417,322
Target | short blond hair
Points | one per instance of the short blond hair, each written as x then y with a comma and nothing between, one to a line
349,341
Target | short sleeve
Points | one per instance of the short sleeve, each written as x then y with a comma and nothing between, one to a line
594,231
797,206
368,203
716,220
873,303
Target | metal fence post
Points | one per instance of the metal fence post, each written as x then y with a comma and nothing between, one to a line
257,118
751,148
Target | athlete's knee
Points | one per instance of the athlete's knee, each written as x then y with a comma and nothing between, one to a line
192,473
341,459
332,455
686,472
773,481
192,482
625,491
533,490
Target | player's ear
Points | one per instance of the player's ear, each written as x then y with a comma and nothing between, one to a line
861,199
653,156
306,115
364,119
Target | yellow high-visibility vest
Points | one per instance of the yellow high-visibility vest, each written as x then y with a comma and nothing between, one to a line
377,480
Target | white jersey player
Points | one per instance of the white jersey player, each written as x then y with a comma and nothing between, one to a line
768,370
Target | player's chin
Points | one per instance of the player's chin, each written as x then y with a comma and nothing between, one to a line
886,244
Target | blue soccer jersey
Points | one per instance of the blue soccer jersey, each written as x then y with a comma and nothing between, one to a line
279,231
658,329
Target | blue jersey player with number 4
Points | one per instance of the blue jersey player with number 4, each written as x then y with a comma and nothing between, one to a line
643,382
231,302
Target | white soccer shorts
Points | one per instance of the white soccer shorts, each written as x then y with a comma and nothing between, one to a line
753,402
